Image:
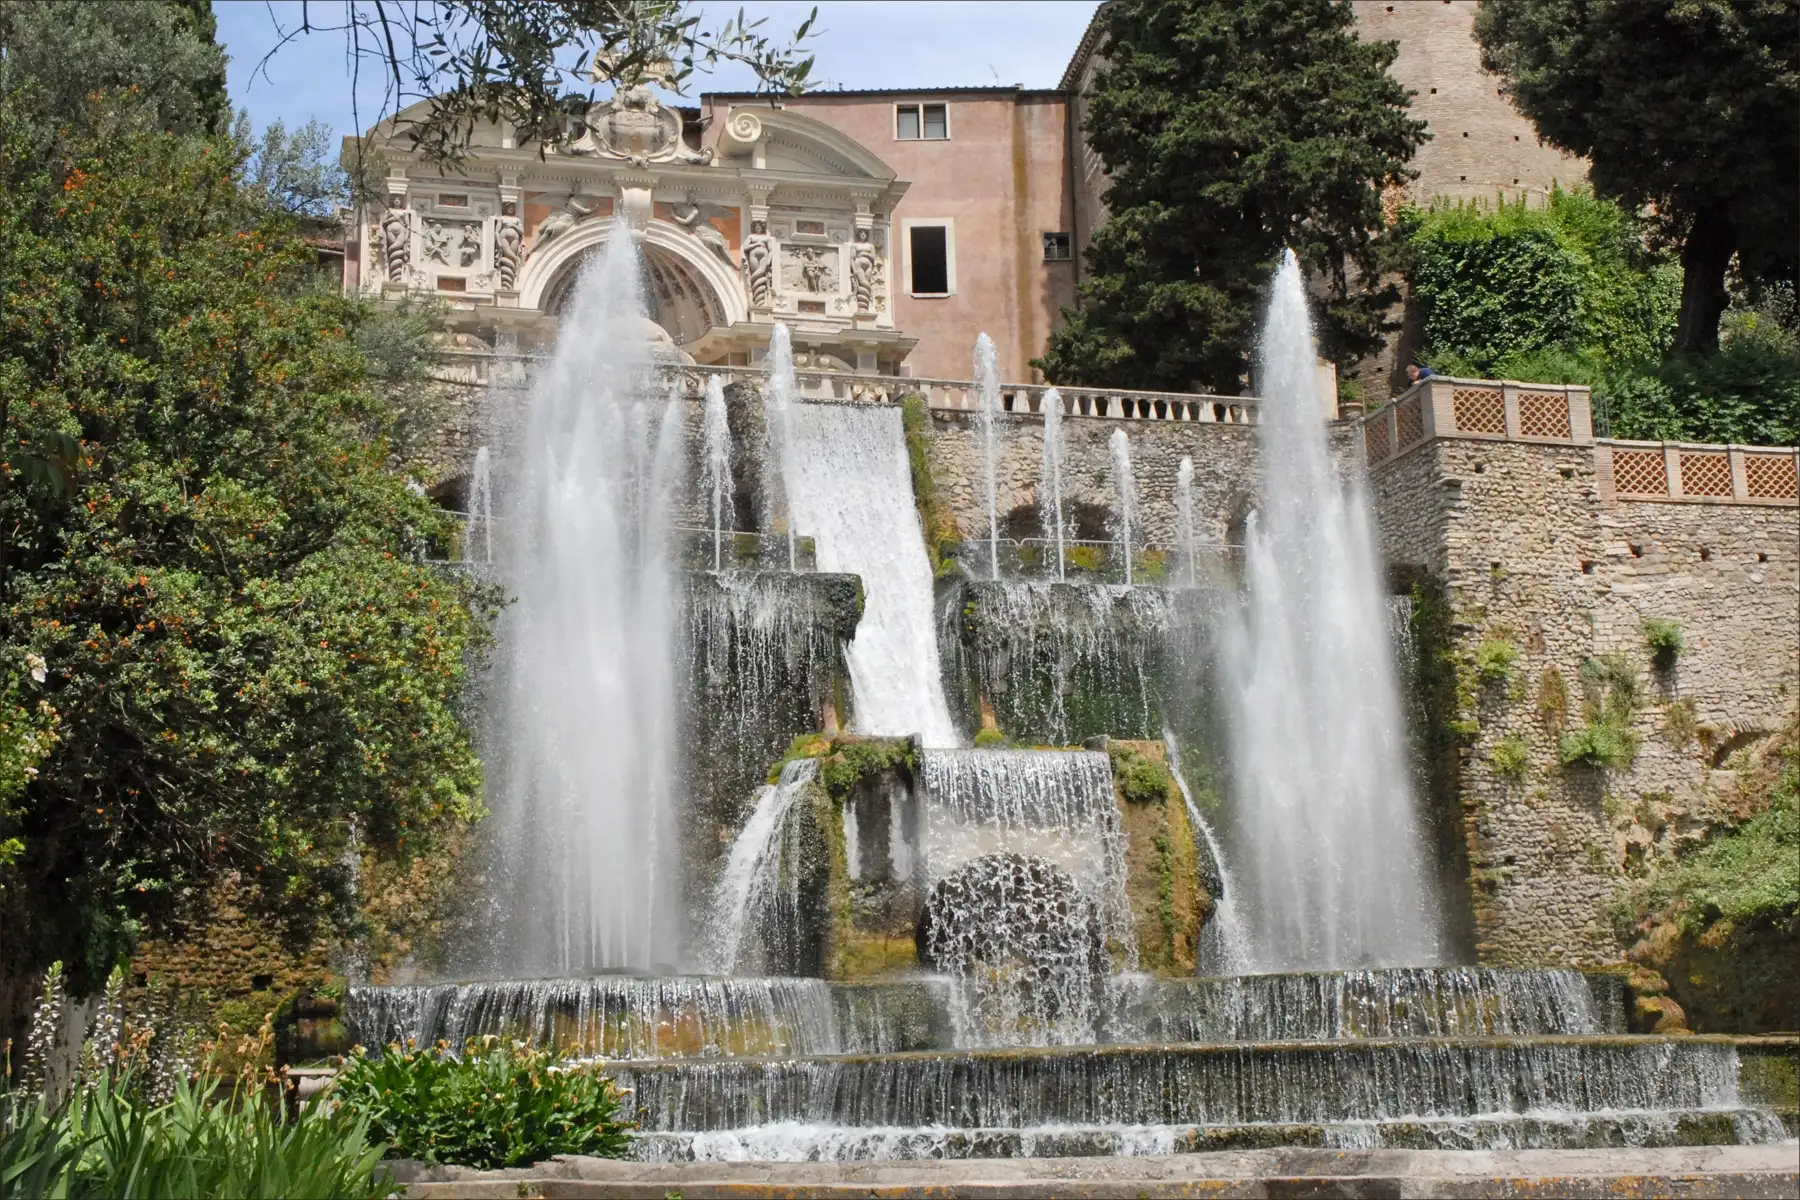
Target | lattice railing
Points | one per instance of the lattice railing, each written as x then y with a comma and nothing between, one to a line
1479,410
1409,421
1701,474
1376,443
1705,474
1544,415
1771,477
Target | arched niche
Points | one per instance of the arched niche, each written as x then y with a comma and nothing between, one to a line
688,289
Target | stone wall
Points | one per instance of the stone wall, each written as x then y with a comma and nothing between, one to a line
1528,552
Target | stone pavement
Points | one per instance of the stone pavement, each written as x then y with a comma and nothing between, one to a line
1766,1171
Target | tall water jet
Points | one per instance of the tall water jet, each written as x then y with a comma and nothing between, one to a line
1325,824
1224,942
852,493
987,380
716,471
1125,489
478,533
583,727
1184,516
781,392
1050,496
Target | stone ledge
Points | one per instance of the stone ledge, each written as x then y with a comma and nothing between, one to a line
1747,1171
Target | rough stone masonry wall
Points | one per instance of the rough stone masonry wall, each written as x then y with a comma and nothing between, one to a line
1526,550
1226,471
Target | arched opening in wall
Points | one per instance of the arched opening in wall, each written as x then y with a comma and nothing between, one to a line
675,295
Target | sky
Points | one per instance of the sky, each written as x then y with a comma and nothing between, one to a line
865,44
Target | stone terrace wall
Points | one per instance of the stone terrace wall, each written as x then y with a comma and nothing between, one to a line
1527,548
1226,470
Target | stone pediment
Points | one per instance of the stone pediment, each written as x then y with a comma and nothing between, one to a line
783,141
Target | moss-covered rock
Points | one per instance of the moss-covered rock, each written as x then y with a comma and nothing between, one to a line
1162,872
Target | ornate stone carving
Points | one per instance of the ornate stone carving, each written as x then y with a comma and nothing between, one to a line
694,217
865,272
561,222
452,243
509,249
396,243
809,269
635,127
743,129
759,265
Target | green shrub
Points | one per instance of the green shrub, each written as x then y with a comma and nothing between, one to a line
107,1141
1511,757
1494,660
495,1105
1141,780
850,762
1605,744
1747,392
990,739
1666,645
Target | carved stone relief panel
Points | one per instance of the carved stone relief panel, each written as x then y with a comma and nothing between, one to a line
451,243
809,270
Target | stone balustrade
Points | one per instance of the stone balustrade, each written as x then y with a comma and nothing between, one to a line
944,395
1508,410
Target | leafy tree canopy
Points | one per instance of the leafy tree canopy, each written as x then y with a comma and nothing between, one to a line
1231,129
220,651
532,64
1502,285
1690,106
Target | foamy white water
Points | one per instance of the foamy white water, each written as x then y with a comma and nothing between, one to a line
987,381
1050,485
1326,835
852,493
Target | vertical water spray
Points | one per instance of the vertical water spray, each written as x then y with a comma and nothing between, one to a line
1050,496
1326,831
478,534
716,474
987,380
1125,488
583,728
780,393
1184,514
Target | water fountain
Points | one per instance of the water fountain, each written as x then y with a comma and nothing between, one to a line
1184,516
716,469
781,392
987,383
478,533
1023,1014
1326,833
580,744
1125,496
1050,485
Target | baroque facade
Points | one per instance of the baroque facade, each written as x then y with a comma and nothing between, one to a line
884,227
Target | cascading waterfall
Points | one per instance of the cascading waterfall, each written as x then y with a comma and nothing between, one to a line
1184,516
716,471
1024,858
1224,941
852,493
987,383
749,893
781,392
1125,492
583,725
1050,493
1326,832
478,534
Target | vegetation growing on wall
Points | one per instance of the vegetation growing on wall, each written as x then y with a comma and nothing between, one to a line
935,517
1721,921
1606,739
1141,779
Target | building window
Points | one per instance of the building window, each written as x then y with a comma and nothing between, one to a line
1058,247
916,122
928,259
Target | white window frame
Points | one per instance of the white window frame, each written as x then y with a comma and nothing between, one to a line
948,224
919,106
